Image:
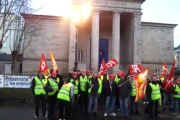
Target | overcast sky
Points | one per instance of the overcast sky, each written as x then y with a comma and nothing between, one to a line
162,11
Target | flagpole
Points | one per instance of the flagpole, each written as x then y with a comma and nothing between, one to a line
76,50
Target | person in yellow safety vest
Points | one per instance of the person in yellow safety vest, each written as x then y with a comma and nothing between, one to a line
93,86
133,104
65,97
105,76
176,89
154,95
38,88
75,81
53,87
83,80
117,80
88,74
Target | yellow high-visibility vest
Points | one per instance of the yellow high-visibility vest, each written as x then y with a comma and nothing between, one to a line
39,86
156,94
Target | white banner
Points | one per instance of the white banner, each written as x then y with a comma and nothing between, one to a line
1,81
11,81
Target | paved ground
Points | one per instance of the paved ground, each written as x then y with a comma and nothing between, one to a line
25,112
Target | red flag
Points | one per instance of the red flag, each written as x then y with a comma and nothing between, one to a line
43,67
102,67
111,63
135,69
140,81
55,67
164,70
170,78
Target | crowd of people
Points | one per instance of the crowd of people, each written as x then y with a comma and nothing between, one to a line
85,90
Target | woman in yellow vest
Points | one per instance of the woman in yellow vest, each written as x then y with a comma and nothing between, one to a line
65,97
176,90
154,95
38,86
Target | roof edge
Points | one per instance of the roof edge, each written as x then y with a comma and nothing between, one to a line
38,16
155,24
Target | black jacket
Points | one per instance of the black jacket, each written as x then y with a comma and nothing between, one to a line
110,88
124,88
95,83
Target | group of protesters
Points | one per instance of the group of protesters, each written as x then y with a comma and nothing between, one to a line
84,90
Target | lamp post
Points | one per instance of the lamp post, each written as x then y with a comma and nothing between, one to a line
80,13
76,51
76,19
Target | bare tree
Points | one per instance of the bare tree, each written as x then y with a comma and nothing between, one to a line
12,27
22,35
9,9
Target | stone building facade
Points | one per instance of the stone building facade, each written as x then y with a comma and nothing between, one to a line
114,30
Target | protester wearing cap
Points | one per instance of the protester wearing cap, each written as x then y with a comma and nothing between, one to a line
154,95
75,81
38,86
53,85
110,93
124,90
176,89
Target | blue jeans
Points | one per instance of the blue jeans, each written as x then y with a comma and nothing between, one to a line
176,105
110,102
92,103
124,105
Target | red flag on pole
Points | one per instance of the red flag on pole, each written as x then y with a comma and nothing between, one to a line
55,67
43,67
135,69
111,63
103,67
164,70
140,81
170,78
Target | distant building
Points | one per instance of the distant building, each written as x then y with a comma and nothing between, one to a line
114,30
10,42
177,54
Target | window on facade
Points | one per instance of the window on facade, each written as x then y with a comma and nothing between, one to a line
7,68
80,56
5,44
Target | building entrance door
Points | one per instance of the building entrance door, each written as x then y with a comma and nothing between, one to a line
103,50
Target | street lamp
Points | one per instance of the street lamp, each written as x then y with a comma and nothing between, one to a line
79,14
76,19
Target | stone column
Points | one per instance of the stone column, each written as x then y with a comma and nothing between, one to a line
72,45
116,39
95,41
137,38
